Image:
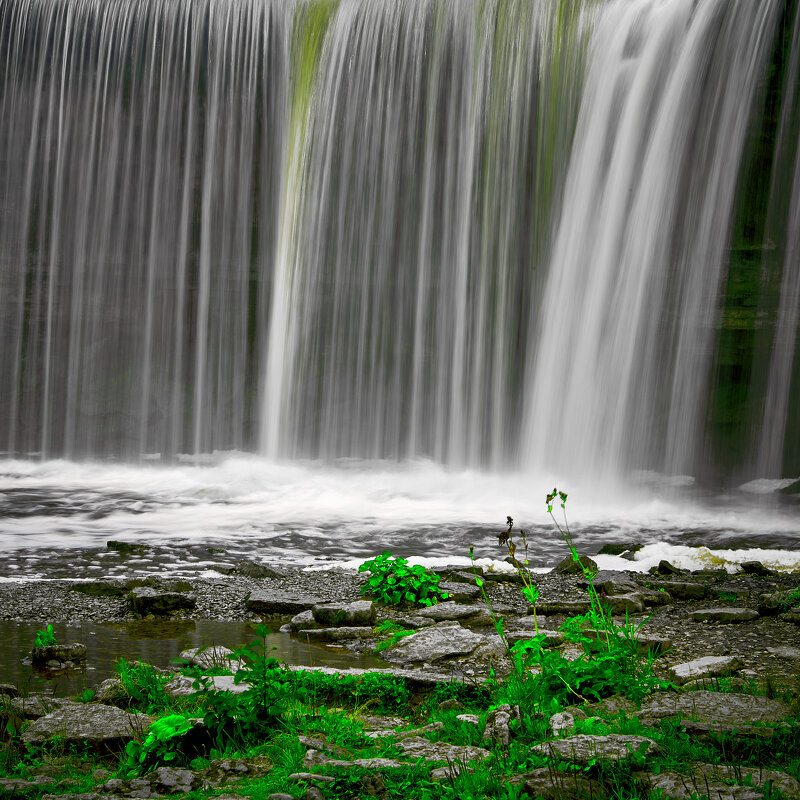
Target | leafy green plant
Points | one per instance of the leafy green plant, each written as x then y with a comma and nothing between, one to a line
143,686
162,745
393,581
45,638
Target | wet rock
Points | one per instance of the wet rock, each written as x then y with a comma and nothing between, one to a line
146,600
93,723
666,568
706,667
417,747
792,653
731,709
126,547
611,582
724,615
624,603
8,690
263,601
217,657
99,589
776,602
336,634
571,567
59,654
255,570
304,621
432,644
451,610
756,568
583,748
684,590
361,612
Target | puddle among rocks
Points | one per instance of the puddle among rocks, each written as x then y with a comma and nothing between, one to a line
156,642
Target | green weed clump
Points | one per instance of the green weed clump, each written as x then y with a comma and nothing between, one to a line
161,746
45,638
393,581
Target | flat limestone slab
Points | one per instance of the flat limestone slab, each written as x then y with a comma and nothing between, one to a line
706,667
261,601
724,615
583,748
434,643
731,710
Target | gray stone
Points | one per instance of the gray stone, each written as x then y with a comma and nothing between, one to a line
313,793
417,747
36,705
665,568
280,796
109,690
58,653
724,615
706,667
460,592
296,777
498,728
684,590
551,638
756,568
453,611
313,758
624,603
549,783
571,567
315,743
336,634
469,719
172,781
211,658
785,652
583,748
8,690
360,612
611,582
382,734
252,569
731,710
263,601
676,786
145,600
304,621
776,602
568,608
93,723
755,776
562,723
432,644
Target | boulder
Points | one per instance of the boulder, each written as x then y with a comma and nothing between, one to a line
145,600
624,603
776,602
417,747
37,705
729,709
684,590
460,592
253,569
548,783
451,610
8,690
498,728
263,601
61,654
93,723
611,582
174,781
585,748
569,566
706,667
432,644
360,612
756,568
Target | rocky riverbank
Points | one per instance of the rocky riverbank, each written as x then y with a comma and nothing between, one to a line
727,645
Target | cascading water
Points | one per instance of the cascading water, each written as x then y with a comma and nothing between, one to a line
490,234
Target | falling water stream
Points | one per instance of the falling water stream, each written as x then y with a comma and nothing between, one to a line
314,278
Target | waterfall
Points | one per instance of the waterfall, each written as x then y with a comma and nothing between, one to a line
489,233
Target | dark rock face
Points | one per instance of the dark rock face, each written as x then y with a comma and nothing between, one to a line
571,567
145,600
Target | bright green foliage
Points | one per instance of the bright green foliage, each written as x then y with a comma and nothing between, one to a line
393,581
45,638
143,686
162,745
